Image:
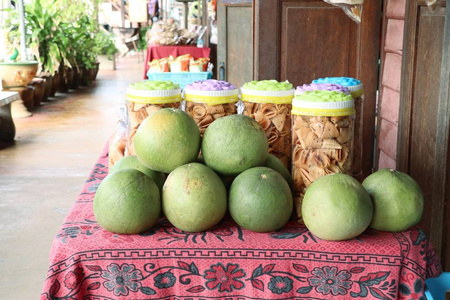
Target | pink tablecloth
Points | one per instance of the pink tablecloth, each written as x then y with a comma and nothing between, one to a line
228,262
157,52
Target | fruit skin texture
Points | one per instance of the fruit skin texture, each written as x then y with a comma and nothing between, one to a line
233,144
167,139
194,198
127,201
260,200
397,200
275,163
336,207
132,162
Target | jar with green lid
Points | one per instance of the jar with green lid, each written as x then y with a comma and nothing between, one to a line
322,138
145,97
269,102
208,100
355,87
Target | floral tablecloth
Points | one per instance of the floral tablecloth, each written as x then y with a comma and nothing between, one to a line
229,262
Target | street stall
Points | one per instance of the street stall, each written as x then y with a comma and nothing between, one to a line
266,192
227,261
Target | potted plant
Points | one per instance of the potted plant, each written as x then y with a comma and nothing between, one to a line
45,39
105,49
15,70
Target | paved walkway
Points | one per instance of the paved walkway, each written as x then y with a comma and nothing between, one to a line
42,174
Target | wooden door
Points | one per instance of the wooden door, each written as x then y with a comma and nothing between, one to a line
235,41
301,40
423,139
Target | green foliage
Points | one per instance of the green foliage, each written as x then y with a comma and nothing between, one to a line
104,44
44,36
142,44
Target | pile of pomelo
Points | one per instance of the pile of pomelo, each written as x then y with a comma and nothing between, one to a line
195,181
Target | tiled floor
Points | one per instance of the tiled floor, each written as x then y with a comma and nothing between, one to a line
43,172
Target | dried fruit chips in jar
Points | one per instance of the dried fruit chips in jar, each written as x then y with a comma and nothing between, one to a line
322,138
145,97
269,102
355,87
208,100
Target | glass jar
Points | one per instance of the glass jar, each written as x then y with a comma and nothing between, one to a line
145,97
269,102
355,87
208,100
322,138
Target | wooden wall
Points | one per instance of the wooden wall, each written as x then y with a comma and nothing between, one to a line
301,40
423,138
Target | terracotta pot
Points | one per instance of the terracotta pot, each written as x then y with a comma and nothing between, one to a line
47,84
55,84
86,76
95,71
17,74
62,87
76,79
39,90
28,97
69,73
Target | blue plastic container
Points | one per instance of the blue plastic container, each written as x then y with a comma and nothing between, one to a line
182,78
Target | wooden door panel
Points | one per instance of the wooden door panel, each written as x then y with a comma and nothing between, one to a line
300,40
239,45
235,41
314,42
423,138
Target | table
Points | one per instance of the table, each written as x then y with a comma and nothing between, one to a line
157,52
7,128
228,262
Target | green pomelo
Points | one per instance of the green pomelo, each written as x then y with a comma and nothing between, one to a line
260,200
194,198
233,144
397,200
132,162
275,163
336,207
127,201
167,139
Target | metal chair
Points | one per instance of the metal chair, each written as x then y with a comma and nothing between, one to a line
435,288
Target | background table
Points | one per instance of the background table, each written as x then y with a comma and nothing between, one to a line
228,262
157,52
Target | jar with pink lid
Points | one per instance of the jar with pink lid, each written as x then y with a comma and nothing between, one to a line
208,100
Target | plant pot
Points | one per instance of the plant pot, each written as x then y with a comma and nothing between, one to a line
15,77
47,84
63,86
75,79
95,71
69,73
86,76
28,97
17,74
55,84
39,90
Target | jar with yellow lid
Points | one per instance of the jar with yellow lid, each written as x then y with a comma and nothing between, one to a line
269,102
322,138
145,97
355,87
208,100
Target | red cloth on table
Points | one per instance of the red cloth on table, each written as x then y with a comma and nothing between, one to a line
228,262
157,52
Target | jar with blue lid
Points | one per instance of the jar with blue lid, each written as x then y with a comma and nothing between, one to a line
355,87
322,138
